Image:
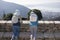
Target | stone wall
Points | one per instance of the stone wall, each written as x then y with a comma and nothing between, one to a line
43,27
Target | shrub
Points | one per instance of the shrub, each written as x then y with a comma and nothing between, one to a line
7,16
37,12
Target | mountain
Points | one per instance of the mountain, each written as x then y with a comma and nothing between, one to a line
7,7
51,15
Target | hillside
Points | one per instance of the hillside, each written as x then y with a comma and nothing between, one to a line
8,7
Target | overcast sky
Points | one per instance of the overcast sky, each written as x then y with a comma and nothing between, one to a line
27,2
38,4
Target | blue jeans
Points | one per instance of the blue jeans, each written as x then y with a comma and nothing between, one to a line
16,31
33,30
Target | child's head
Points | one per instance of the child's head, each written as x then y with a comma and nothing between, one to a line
17,12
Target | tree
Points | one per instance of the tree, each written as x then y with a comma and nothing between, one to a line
37,12
7,16
29,14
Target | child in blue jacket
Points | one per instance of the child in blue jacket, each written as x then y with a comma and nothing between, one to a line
33,25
